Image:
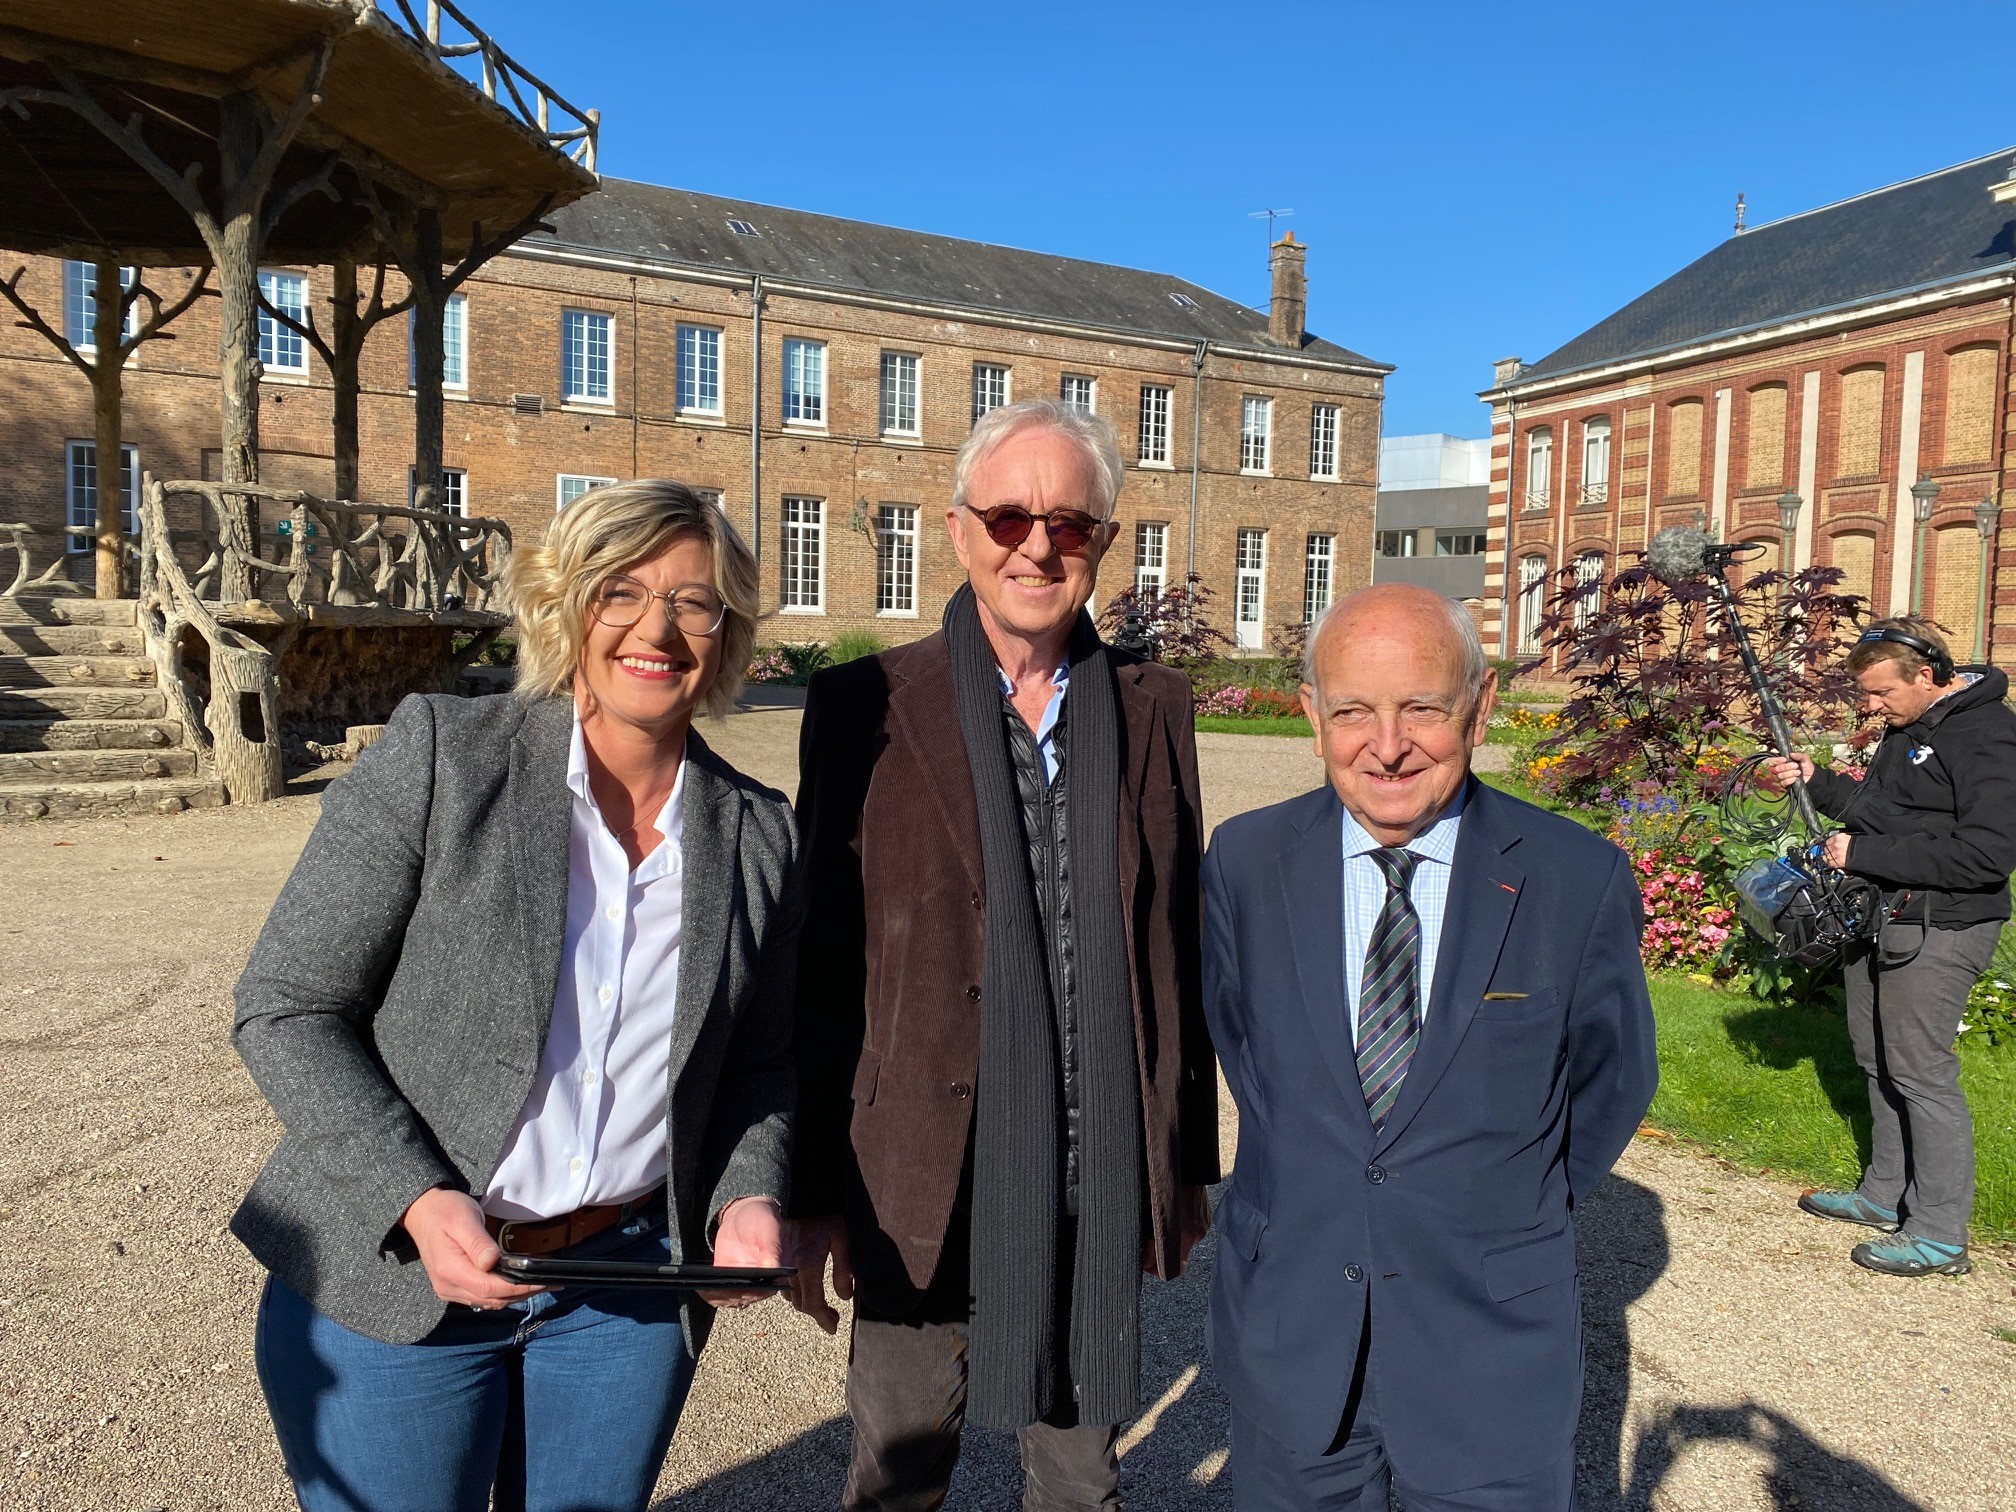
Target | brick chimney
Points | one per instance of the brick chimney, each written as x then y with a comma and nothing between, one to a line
1288,305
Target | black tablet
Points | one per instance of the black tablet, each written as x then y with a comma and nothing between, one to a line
557,1270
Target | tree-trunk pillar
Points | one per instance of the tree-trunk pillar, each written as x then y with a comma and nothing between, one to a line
107,371
429,359
346,343
238,347
243,718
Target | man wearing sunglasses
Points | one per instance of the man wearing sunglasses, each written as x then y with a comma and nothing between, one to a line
1008,1108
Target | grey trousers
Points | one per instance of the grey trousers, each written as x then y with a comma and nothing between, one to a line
1903,1021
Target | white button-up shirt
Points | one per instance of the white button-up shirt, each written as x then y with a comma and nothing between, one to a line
1365,895
593,1130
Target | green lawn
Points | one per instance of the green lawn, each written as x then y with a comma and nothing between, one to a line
1778,1089
1230,724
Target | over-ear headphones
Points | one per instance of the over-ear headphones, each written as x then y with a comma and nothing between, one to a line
1940,662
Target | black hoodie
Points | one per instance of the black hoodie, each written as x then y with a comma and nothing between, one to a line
1936,813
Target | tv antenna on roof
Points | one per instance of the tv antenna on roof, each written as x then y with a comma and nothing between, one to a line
1270,216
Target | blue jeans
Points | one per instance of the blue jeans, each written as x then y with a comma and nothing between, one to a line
564,1402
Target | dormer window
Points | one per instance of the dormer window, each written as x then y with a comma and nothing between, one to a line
741,227
1183,301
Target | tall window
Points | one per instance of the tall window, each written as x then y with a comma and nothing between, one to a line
804,383
1596,460
699,381
1589,587
1256,425
1154,447
1323,441
586,341
1539,467
896,559
81,490
567,487
1078,392
804,588
282,350
454,345
899,393
1249,587
1151,559
1316,562
990,388
1532,594
80,304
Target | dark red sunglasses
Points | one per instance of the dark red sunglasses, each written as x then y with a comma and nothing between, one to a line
1010,524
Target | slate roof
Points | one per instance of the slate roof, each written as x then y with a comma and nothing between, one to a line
680,227
1942,228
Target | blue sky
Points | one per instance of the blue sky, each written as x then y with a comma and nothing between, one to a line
1473,181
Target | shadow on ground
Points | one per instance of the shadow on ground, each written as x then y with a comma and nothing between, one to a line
1781,1035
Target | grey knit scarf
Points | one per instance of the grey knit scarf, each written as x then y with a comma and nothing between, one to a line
1013,1371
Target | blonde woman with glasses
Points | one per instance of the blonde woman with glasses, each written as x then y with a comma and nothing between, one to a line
529,987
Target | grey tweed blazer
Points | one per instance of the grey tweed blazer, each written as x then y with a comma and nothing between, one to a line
395,1006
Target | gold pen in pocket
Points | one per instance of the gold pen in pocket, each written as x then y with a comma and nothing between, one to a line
1504,997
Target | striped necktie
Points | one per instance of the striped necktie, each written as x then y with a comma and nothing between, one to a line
1389,997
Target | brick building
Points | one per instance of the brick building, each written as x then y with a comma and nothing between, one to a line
817,374
1840,355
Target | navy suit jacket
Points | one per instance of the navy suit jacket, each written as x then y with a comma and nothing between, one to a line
1449,1231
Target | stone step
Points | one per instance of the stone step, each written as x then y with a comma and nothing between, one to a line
65,609
71,640
30,768
43,704
99,800
76,672
57,734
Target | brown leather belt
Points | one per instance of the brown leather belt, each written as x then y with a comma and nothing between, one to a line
548,1236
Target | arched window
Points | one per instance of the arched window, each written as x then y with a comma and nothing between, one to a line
1596,460
1764,437
1858,446
1532,596
1970,407
1589,588
1539,467
1683,448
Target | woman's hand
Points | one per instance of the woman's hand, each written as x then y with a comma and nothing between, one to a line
459,1255
750,1235
812,1240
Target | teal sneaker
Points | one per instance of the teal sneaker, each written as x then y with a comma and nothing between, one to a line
1909,1255
1849,1207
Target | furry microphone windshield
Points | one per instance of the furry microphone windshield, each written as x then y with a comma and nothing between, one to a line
1678,554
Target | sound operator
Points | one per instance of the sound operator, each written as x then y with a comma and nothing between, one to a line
1933,823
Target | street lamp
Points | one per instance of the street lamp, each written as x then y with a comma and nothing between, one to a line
1789,505
1987,520
1924,494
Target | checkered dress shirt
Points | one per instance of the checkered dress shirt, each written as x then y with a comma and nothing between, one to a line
1365,895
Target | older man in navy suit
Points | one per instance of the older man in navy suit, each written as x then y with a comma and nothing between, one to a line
1429,1005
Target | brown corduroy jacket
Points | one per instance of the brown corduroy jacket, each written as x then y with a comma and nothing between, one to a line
888,1034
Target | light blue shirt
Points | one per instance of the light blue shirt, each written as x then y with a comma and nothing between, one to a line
1365,895
1046,727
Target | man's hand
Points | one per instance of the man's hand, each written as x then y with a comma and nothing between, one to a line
750,1235
1780,772
812,1240
457,1252
1835,851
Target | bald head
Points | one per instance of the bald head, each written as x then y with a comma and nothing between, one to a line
1409,609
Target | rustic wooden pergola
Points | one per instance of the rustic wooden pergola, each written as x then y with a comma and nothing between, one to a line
220,134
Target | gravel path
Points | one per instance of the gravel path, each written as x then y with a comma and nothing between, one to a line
1737,1361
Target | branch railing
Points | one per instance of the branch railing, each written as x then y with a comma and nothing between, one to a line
19,539
503,79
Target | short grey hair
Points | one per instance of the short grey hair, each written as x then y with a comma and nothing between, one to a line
1090,434
1476,665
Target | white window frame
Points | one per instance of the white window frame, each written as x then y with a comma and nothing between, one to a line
895,367
561,480
802,521
1539,467
1151,559
992,370
1319,574
696,357
275,337
1151,447
1256,435
1596,460
1323,424
75,511
1588,569
1086,385
80,305
454,490
586,321
1532,602
454,346
1249,586
896,541
801,387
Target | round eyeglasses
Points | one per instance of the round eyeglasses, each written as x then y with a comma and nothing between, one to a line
1009,525
620,601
